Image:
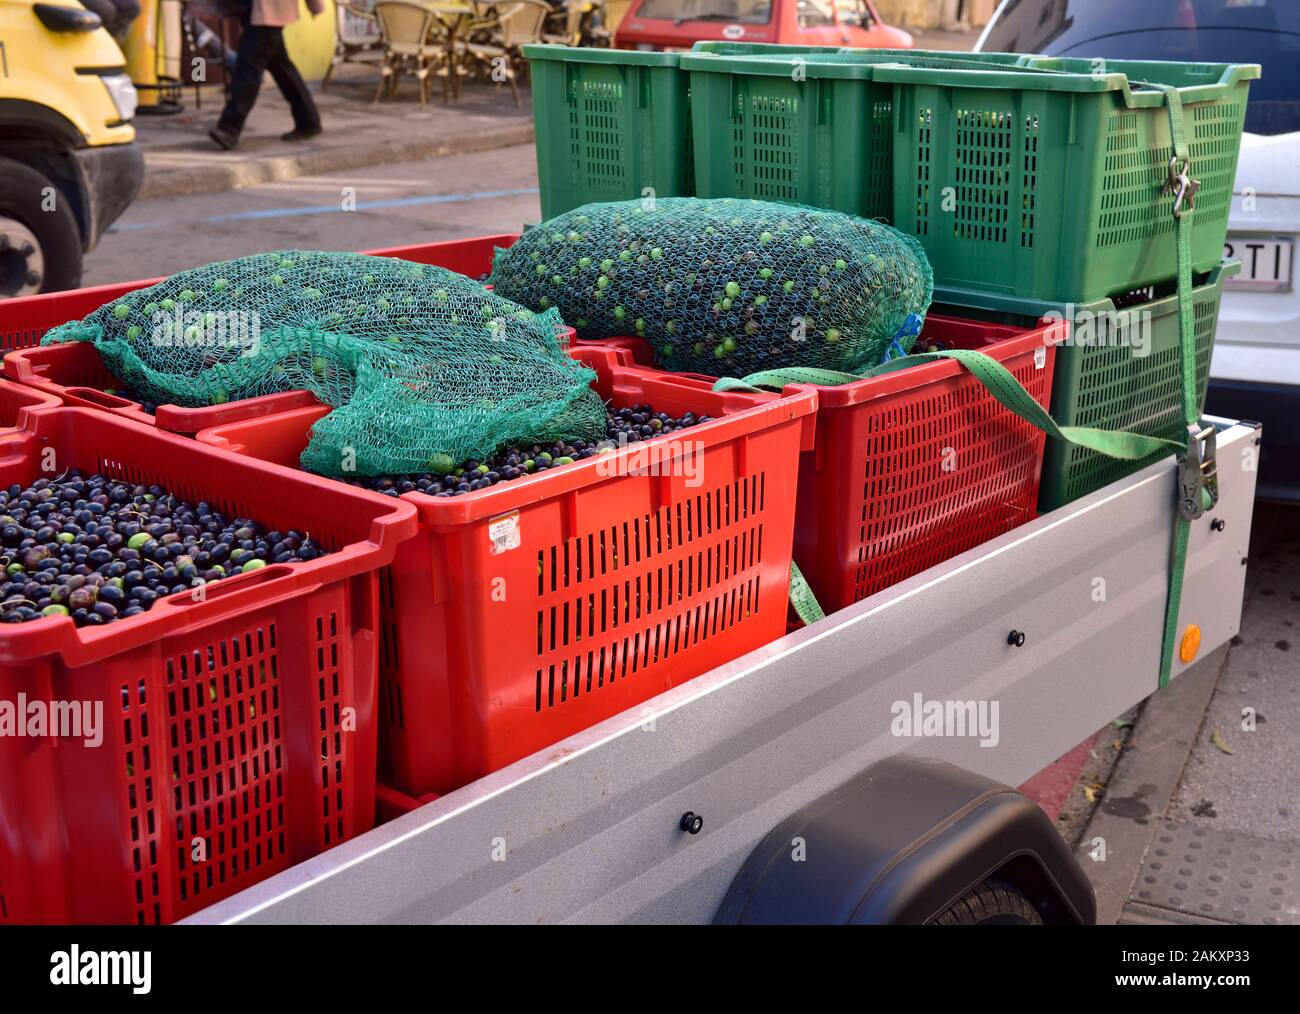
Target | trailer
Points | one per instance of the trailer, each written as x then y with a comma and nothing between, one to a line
710,803
856,769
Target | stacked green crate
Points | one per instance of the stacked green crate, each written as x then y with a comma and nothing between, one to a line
1044,188
1119,370
1047,182
810,131
805,124
611,125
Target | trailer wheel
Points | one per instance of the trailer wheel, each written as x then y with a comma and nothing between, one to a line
990,903
40,243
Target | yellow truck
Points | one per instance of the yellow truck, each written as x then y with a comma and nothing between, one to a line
69,162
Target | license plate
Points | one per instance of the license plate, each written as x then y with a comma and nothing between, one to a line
1265,263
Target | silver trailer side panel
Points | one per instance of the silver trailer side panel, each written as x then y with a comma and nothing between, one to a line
588,830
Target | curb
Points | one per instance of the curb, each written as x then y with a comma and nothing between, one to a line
1144,780
250,171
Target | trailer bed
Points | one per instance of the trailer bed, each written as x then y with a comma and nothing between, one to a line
588,830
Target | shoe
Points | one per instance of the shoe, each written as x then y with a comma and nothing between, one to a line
224,139
301,134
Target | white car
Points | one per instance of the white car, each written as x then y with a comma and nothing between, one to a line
1255,371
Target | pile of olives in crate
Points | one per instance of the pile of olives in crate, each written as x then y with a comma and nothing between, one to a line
98,549
622,426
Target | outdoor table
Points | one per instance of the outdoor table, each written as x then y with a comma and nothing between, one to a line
453,17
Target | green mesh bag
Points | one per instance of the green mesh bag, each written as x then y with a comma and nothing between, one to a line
423,367
726,286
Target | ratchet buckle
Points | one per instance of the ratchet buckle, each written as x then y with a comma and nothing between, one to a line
1198,472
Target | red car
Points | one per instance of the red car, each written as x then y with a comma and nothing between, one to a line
678,24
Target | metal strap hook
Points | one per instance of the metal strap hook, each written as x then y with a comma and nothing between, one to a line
1181,185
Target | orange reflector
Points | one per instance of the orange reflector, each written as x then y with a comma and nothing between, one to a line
1191,643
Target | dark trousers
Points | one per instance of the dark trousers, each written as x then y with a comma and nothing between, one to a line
261,48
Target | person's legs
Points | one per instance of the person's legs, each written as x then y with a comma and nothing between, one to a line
257,45
294,89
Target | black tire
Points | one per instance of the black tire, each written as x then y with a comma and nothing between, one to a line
22,198
990,903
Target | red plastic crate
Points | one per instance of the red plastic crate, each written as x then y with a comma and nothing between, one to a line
76,374
599,589
225,717
471,257
24,321
912,468
16,402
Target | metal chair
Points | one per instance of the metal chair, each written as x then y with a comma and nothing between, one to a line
566,23
356,38
410,36
518,23
611,16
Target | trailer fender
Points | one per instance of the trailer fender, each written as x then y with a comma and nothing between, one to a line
901,842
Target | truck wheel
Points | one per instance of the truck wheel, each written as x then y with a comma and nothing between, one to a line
40,250
990,903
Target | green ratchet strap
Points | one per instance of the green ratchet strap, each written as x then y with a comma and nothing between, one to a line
1197,479
805,603
1000,383
1198,484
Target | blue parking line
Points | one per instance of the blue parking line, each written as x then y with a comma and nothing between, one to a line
325,209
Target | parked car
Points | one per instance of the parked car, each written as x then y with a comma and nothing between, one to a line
679,24
1255,372
69,164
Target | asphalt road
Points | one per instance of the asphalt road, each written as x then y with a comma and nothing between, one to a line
411,202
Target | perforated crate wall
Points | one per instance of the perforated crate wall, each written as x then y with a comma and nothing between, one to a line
609,125
1105,384
914,467
806,124
614,594
621,601
201,786
1052,195
827,143
238,733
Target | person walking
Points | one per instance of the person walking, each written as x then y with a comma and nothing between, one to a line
261,48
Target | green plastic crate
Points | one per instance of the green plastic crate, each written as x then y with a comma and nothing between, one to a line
825,140
1100,381
799,123
1045,182
911,57
610,123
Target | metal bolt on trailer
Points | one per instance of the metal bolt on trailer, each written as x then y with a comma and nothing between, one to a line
596,828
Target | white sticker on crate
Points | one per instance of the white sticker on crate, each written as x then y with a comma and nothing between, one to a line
1040,357
504,533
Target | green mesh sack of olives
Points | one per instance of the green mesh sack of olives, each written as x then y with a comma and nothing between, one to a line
422,366
726,286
